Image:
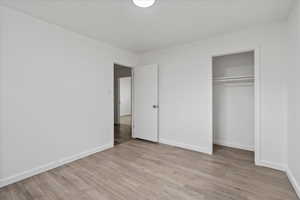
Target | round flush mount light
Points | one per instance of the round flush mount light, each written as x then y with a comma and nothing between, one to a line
144,3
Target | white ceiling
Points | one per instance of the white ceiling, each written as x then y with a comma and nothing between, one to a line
167,23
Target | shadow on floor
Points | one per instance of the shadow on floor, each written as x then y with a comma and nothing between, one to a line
123,131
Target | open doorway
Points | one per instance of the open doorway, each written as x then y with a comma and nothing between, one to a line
122,104
235,102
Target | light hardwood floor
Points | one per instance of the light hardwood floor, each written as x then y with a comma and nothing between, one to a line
138,170
123,131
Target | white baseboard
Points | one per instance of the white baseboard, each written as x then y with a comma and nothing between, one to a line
233,145
51,165
293,181
208,151
271,165
261,163
186,146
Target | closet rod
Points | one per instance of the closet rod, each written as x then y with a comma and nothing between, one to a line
235,78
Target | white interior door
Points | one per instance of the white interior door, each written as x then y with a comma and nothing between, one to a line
146,103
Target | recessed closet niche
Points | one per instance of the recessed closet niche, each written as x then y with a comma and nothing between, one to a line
233,100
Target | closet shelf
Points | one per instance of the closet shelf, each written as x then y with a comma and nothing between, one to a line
234,78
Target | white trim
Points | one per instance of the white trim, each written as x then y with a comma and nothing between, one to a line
257,114
271,165
118,93
186,146
257,103
233,145
293,181
51,165
132,104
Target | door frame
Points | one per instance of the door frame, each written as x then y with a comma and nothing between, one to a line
117,95
257,100
118,106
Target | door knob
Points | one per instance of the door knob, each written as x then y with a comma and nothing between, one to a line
155,106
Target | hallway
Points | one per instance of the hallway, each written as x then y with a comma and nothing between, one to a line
123,131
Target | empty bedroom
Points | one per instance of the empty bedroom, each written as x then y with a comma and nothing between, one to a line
149,99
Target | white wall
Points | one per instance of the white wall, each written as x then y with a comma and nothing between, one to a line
233,115
240,64
56,95
125,96
293,83
186,89
233,102
119,72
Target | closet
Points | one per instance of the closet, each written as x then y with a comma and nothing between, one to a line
233,100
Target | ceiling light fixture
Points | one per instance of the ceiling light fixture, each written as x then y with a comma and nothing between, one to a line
144,3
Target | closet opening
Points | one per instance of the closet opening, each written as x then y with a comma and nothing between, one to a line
234,102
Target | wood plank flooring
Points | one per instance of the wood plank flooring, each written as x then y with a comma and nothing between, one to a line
138,170
123,131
